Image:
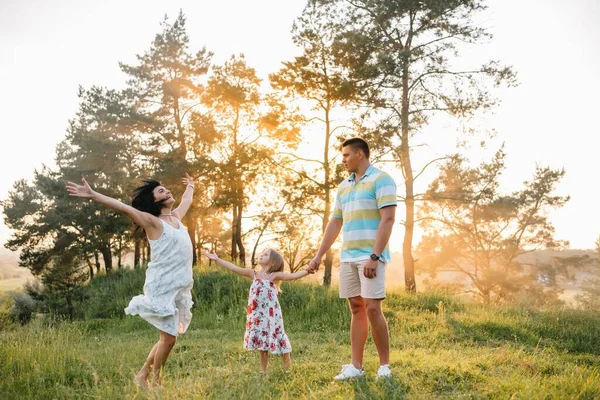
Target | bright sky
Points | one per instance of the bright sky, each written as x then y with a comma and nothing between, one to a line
49,48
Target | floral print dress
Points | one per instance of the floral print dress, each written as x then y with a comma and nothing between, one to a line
264,322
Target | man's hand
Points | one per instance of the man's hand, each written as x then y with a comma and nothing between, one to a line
309,271
370,268
314,264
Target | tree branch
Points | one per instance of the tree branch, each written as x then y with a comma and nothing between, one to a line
428,164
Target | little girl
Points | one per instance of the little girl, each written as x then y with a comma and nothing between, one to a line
264,321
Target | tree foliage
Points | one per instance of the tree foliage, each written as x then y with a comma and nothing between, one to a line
478,232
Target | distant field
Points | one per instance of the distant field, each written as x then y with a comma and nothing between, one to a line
12,277
6,285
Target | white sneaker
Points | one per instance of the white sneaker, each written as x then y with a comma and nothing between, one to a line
384,371
349,371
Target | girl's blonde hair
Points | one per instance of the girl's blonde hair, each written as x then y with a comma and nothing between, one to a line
277,259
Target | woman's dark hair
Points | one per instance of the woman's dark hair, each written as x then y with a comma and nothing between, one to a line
143,198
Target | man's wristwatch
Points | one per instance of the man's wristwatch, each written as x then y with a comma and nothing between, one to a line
375,257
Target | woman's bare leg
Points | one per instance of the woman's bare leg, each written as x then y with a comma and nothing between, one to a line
142,376
165,345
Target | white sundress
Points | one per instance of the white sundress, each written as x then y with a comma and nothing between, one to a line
167,297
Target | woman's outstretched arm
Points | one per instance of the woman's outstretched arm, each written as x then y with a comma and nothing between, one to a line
147,221
186,199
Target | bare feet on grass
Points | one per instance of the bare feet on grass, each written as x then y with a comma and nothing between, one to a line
141,379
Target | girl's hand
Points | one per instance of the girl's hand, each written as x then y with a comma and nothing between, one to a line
187,180
211,256
309,270
314,264
76,190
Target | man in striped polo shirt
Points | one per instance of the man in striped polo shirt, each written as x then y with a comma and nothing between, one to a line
364,211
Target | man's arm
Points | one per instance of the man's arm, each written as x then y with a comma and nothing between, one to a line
388,217
331,233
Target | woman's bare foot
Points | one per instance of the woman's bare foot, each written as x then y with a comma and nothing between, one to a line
141,382
141,379
155,383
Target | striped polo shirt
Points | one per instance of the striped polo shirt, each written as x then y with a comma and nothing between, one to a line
358,203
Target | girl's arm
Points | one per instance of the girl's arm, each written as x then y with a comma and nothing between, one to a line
233,268
286,276
186,199
149,222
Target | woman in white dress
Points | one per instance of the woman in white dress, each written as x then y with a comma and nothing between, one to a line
167,297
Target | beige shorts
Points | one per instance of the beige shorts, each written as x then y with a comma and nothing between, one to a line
353,281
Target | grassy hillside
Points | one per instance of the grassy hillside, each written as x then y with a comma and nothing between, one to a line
440,349
12,277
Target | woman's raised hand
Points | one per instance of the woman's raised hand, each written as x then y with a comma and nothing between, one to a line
187,180
76,190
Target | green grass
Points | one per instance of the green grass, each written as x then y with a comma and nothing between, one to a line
440,348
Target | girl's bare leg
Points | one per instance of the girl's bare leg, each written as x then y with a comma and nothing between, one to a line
264,361
287,361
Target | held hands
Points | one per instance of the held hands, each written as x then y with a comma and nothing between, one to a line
370,268
314,264
84,191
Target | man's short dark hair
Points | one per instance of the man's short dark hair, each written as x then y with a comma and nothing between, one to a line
357,144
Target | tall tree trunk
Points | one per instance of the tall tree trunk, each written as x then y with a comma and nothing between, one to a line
253,257
120,254
409,263
97,261
487,298
191,225
239,242
327,212
236,223
328,262
143,251
199,246
256,244
180,132
234,227
137,253
90,267
213,249
70,308
263,229
107,257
